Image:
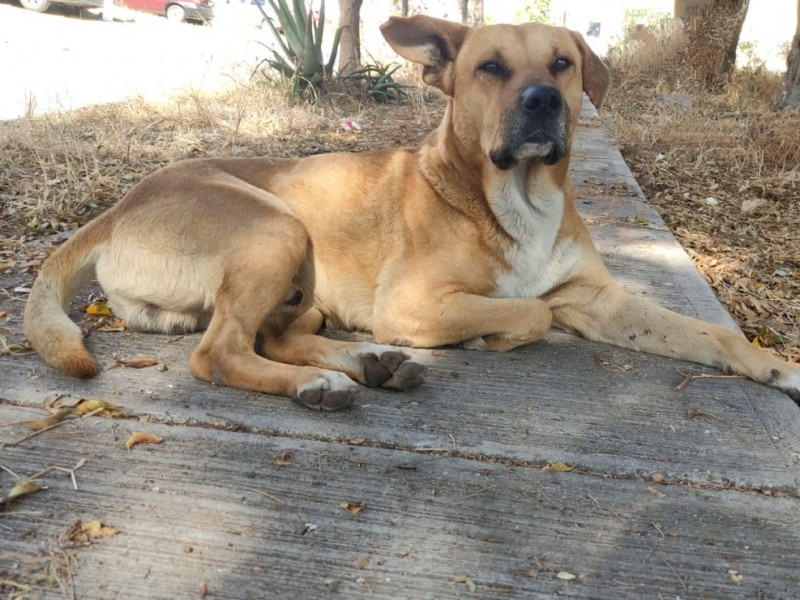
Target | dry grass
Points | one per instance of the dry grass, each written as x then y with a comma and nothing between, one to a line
59,171
686,144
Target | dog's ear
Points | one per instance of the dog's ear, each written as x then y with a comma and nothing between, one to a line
596,77
433,43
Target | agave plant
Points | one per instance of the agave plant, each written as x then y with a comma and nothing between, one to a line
300,40
379,83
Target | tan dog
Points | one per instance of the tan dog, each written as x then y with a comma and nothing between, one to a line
472,238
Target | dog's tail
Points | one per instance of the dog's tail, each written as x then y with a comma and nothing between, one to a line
46,324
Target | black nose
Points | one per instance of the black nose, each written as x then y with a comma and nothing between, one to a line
541,100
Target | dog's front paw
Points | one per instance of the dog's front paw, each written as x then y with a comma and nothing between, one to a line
330,390
386,367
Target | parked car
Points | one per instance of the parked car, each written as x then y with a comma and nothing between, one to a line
43,5
176,10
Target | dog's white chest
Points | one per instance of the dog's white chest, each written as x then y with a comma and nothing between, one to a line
538,260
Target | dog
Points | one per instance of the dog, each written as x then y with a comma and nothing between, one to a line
472,238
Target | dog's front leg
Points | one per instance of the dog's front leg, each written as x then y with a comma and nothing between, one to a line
479,322
619,318
373,365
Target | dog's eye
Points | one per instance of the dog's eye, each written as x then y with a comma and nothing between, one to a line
492,67
562,63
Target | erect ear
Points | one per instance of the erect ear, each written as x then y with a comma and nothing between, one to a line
432,43
596,77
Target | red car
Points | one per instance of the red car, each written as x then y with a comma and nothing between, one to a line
176,10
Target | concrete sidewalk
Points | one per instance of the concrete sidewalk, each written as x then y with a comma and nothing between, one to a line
566,468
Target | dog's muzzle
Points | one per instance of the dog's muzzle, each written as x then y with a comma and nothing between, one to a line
537,130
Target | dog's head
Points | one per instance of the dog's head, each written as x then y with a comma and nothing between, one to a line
516,90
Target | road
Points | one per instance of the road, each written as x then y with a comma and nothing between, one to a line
56,61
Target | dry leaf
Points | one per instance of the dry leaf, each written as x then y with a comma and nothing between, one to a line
60,411
284,458
734,575
98,309
98,406
466,581
53,419
203,589
114,326
82,534
356,441
352,507
557,467
138,363
22,488
96,529
138,437
362,561
565,575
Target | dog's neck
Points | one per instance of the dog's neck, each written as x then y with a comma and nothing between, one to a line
522,202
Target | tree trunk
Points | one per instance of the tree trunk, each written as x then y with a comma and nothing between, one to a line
713,28
404,8
790,92
463,6
350,40
477,13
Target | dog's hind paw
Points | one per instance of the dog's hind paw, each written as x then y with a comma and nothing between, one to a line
391,370
330,391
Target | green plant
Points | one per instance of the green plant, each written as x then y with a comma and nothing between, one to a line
535,11
379,83
300,40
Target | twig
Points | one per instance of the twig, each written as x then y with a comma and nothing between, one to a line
689,377
35,433
674,572
268,495
612,511
9,471
658,529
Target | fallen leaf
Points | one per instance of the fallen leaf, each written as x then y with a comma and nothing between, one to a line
3,313
356,441
284,458
138,437
557,467
138,363
352,507
53,419
362,561
466,581
734,575
203,589
565,575
97,406
22,488
60,411
656,493
83,534
96,529
98,309
6,265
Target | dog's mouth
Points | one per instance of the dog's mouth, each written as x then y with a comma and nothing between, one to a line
538,146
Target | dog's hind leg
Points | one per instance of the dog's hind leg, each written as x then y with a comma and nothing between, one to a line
252,298
622,319
374,365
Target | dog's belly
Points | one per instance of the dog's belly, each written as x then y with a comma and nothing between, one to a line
537,269
171,282
344,300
